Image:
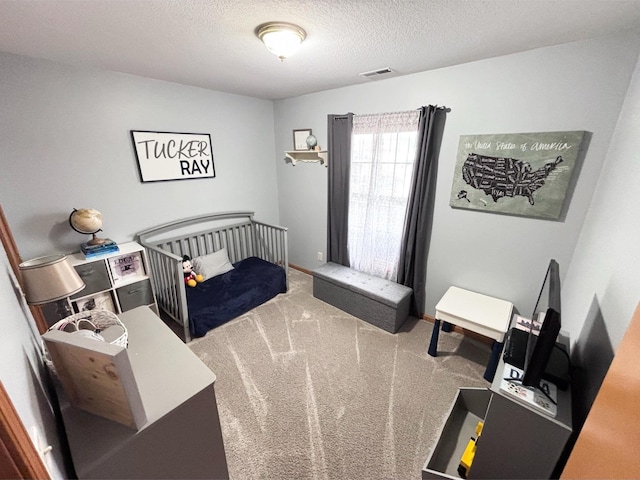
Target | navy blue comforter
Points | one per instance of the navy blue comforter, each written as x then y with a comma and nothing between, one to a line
252,282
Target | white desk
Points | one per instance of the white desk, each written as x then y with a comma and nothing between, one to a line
478,313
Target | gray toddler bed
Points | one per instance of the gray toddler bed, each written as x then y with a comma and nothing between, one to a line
257,251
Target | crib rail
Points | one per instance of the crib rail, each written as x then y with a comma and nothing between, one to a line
168,284
271,245
242,236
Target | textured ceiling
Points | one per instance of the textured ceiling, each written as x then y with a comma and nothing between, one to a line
212,44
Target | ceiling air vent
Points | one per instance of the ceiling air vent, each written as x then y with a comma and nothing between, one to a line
376,73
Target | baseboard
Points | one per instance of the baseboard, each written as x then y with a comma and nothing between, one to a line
466,333
300,269
428,318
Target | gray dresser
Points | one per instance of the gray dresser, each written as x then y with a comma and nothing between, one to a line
182,437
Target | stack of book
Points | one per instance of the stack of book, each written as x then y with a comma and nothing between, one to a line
543,398
92,251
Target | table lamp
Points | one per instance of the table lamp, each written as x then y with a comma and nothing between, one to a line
50,279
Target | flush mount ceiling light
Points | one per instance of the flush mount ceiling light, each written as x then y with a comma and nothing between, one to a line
282,39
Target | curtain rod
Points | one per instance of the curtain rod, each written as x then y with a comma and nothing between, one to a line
343,116
436,107
346,115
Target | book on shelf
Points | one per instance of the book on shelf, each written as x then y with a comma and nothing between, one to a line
544,398
100,252
106,245
110,248
526,324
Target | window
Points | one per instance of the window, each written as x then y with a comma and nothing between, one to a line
383,150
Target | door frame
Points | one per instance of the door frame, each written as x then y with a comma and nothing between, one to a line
18,456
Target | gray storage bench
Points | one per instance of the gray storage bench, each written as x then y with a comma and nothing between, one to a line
380,302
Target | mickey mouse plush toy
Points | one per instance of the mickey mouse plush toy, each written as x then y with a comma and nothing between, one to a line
190,277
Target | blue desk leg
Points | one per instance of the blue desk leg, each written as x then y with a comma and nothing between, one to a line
490,371
433,344
446,327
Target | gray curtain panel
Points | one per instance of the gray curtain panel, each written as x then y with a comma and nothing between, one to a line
339,150
412,269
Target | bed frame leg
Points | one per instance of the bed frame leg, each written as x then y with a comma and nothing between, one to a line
187,333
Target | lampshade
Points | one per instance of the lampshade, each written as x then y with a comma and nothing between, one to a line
50,278
282,39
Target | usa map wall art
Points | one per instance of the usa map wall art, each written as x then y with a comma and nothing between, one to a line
524,174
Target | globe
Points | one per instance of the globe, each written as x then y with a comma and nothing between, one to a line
87,221
311,142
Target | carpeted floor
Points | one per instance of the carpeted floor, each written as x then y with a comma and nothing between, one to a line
307,391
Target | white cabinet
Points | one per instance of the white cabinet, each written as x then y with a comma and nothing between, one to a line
117,282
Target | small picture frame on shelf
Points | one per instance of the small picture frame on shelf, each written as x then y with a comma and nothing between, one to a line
126,267
99,301
300,139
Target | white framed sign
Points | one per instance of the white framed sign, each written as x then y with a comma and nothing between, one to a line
173,156
99,301
125,267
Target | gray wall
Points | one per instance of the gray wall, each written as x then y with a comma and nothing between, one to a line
602,285
66,144
21,368
577,86
65,137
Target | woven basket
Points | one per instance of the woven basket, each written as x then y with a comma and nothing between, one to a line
102,319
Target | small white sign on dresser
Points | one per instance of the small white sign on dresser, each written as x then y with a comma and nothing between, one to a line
97,377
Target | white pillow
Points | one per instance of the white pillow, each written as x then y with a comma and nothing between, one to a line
212,265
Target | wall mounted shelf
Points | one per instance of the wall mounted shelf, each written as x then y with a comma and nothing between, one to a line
307,156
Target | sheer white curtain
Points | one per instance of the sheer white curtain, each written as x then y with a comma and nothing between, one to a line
383,150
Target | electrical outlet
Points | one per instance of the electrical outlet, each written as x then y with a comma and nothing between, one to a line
320,256
41,446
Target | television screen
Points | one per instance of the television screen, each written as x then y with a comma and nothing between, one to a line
546,315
